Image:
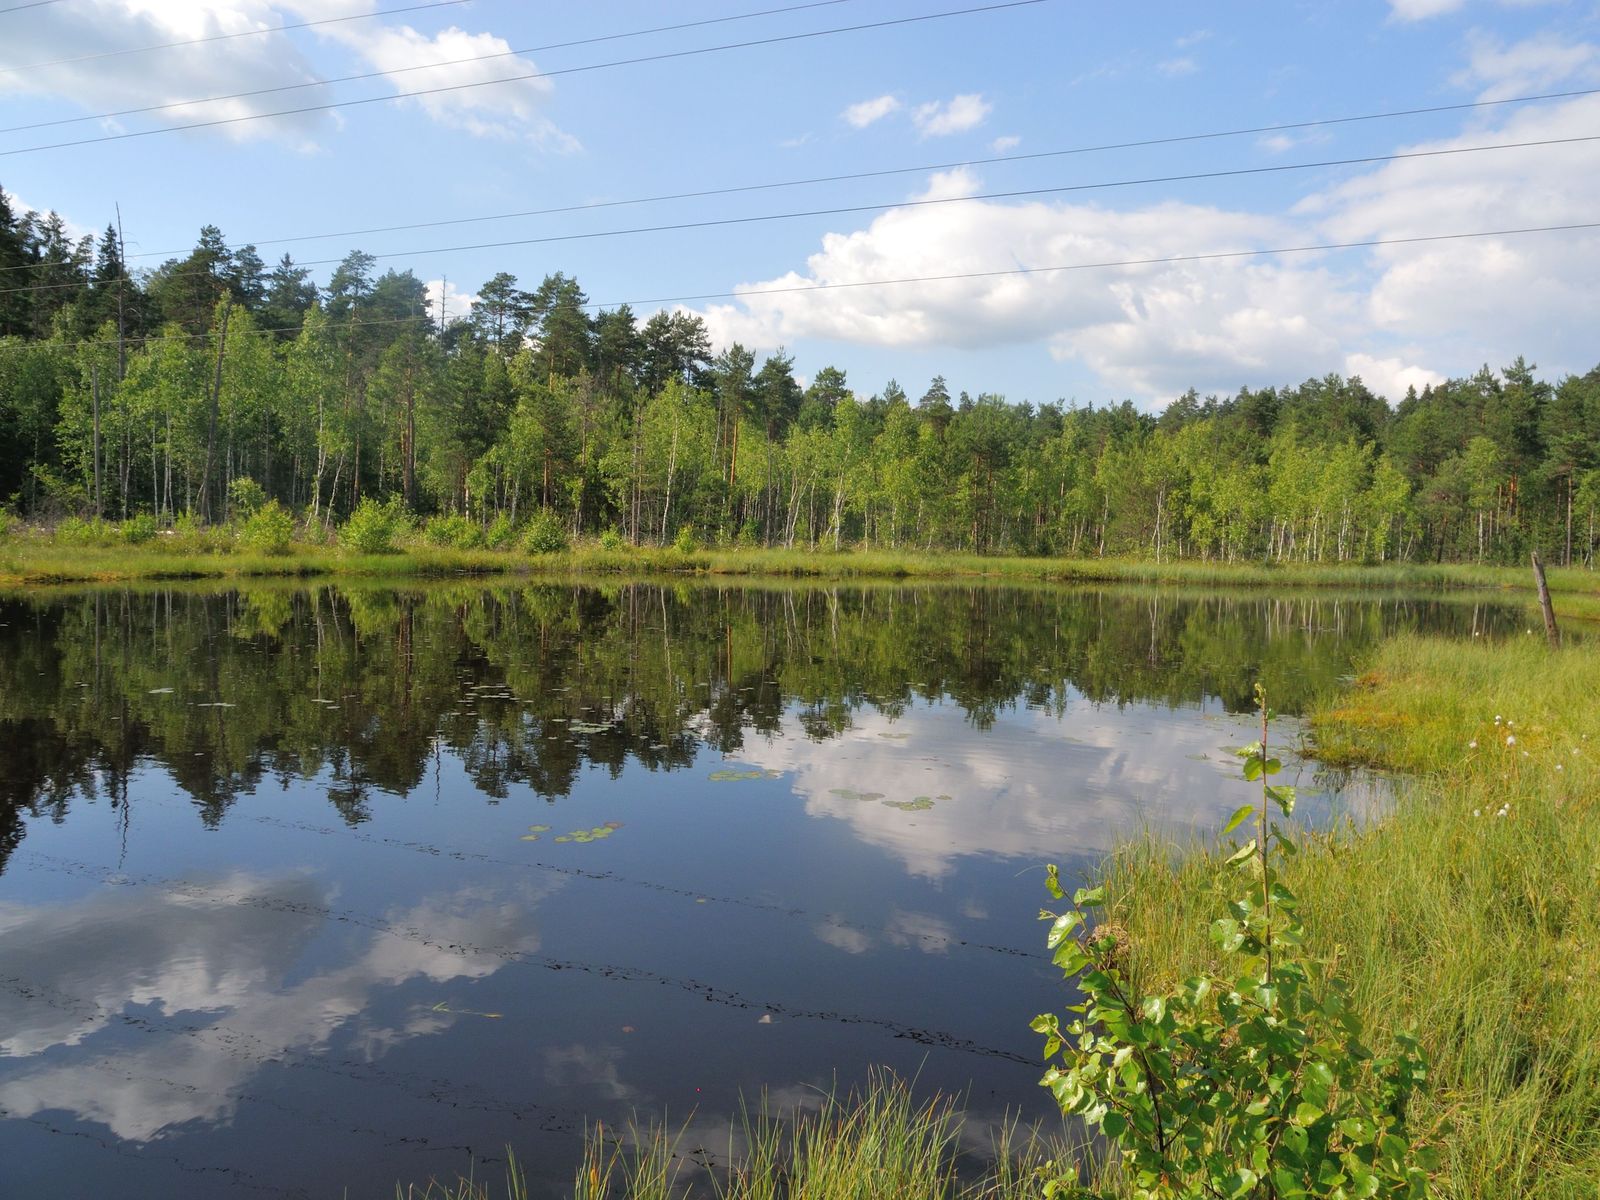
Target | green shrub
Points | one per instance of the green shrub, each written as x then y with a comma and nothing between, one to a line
546,533
453,529
373,527
1251,1081
245,498
75,531
139,529
269,529
501,534
686,542
611,539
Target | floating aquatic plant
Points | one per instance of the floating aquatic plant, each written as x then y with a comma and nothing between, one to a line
730,775
920,804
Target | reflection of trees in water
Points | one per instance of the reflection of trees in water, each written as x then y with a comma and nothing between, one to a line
367,687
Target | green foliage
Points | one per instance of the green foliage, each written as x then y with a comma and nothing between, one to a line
546,534
454,529
1251,1081
686,542
75,531
245,498
139,529
269,530
612,539
373,527
501,534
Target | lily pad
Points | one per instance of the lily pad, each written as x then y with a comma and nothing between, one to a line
920,804
730,775
852,794
538,829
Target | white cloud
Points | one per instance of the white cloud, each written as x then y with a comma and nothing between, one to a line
456,302
956,115
1398,314
267,61
185,72
510,110
1390,377
1535,63
1176,68
1421,10
1009,142
866,112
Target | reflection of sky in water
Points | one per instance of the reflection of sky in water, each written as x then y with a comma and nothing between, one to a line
1033,784
431,975
273,1001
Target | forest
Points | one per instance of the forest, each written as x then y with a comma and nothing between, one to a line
127,392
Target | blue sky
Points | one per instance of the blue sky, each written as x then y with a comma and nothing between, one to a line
1048,76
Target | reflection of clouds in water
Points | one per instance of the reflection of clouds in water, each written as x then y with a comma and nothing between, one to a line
597,1068
1033,786
223,950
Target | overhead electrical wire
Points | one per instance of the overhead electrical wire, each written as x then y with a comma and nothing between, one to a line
551,74
843,210
751,293
704,193
224,37
427,66
20,7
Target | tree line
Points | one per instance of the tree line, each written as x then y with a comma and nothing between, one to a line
126,392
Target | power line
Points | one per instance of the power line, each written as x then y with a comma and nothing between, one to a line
460,87
1162,260
1166,260
844,210
704,193
20,7
223,37
429,66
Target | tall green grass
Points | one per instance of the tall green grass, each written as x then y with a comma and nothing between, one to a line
1471,913
877,1143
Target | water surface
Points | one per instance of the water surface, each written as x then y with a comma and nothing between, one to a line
308,890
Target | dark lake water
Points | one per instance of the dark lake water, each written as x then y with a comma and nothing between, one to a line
312,890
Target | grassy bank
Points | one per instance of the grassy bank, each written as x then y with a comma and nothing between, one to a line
33,559
1471,914
878,1143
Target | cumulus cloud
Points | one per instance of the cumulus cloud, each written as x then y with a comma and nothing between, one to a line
268,61
1401,315
866,112
1009,142
94,27
956,115
456,302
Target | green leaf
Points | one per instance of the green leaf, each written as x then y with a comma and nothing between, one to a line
1306,1114
1252,769
1242,853
1063,927
1052,881
1238,818
1089,897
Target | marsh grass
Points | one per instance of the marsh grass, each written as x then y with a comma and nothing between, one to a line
34,557
877,1143
1470,914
